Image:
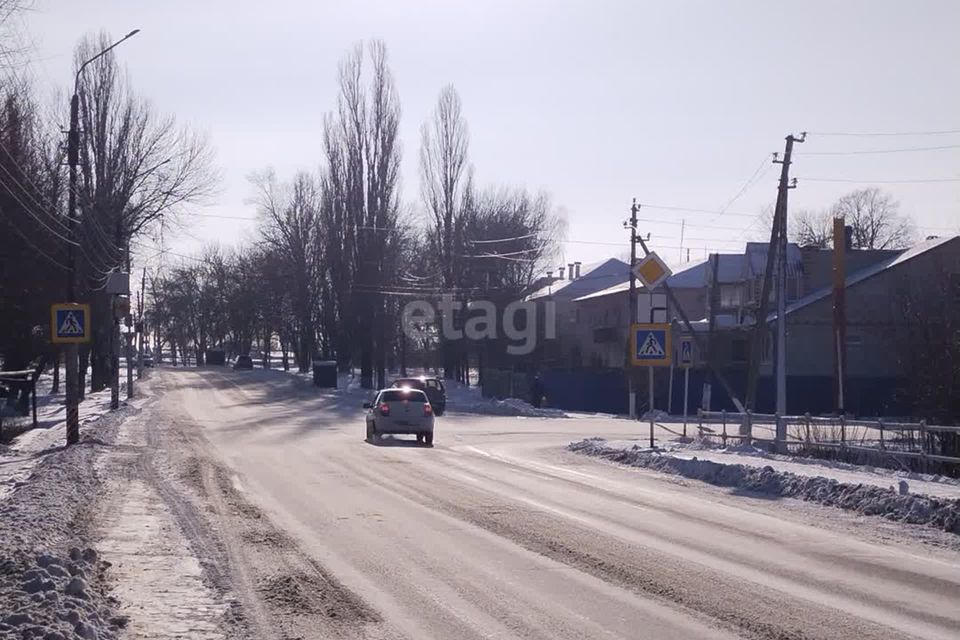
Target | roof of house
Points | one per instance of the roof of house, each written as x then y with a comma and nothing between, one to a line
869,272
593,278
737,267
690,276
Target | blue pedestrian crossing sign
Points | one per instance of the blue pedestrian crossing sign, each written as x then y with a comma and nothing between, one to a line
69,323
650,344
686,351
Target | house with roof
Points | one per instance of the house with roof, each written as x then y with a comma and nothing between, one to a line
886,302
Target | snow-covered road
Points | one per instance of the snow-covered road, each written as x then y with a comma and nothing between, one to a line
498,531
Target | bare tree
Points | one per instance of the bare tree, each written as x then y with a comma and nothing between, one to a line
812,228
876,219
445,188
360,192
136,167
291,227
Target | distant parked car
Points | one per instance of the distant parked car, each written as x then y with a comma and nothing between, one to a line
433,387
243,362
403,410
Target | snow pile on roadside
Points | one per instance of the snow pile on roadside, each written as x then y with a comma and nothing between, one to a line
465,399
862,498
51,583
506,407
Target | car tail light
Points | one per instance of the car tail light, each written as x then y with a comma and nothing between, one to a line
427,409
384,409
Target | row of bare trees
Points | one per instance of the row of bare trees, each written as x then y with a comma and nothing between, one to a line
337,255
137,168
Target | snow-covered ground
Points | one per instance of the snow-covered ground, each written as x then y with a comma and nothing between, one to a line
21,455
911,498
932,485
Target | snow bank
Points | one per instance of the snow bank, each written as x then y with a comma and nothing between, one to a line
464,399
52,584
867,499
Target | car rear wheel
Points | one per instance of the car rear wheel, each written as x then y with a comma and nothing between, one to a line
371,432
428,439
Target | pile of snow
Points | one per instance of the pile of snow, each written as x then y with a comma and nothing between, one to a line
506,407
52,584
888,502
464,399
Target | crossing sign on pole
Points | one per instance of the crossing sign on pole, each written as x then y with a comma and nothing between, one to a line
69,323
686,351
650,344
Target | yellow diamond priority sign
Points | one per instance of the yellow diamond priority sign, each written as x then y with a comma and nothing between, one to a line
651,271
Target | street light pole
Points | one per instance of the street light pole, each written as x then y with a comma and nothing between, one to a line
73,159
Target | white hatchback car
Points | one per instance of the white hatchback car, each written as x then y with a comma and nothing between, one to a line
400,411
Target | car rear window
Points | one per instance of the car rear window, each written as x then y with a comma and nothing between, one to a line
402,394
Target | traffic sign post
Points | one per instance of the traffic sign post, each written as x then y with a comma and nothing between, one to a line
70,325
686,361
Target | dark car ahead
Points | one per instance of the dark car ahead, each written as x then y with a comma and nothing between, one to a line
243,362
433,387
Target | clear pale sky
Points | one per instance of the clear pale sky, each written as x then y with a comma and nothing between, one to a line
674,103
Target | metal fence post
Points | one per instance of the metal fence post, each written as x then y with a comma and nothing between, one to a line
843,431
780,435
923,446
880,424
724,437
806,420
749,434
700,423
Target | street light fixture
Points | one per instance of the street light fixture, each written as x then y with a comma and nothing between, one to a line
73,159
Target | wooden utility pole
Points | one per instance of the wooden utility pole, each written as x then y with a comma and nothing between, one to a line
785,186
777,245
839,311
633,306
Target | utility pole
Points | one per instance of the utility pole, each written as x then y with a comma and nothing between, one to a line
72,365
785,186
839,311
140,332
72,352
633,305
128,321
776,247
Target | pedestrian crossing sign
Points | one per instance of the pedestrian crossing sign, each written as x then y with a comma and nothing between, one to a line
651,344
69,323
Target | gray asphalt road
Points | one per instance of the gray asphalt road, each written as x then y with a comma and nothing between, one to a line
497,532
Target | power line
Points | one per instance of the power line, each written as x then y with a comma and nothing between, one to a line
35,247
32,214
753,179
904,181
878,151
883,133
524,237
691,210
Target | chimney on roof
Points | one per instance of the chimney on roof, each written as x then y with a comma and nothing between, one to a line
570,275
577,265
561,273
549,275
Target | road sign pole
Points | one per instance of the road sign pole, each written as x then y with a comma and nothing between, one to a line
686,395
650,369
72,384
670,392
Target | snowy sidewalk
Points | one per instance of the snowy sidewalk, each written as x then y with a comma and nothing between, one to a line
18,459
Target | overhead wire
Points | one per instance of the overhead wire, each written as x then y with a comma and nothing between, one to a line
859,152
883,133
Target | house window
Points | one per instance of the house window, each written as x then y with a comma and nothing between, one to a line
738,350
731,295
